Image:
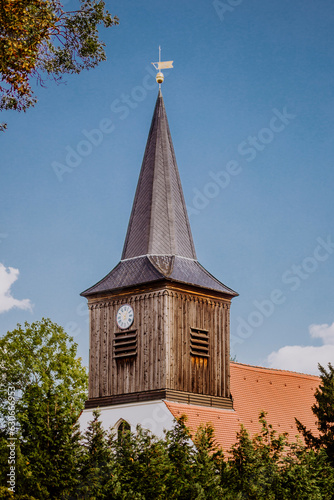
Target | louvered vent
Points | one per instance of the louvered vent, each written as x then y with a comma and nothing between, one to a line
199,342
125,344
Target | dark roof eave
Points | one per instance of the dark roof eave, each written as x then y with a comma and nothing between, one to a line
229,291
86,293
229,294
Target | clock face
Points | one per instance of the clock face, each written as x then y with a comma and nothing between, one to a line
125,316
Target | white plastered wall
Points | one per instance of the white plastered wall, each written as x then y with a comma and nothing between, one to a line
152,415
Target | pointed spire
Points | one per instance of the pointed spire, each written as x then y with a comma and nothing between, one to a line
159,223
158,245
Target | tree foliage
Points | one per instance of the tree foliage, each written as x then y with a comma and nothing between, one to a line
39,362
96,462
39,39
323,409
140,466
41,357
54,461
269,467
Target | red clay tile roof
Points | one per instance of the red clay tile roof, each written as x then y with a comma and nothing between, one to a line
225,422
283,394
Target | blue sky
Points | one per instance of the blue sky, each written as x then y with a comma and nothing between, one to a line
250,107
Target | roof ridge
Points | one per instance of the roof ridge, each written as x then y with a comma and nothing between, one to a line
91,288
264,368
230,411
219,282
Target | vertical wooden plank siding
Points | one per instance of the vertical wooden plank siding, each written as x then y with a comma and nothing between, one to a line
104,352
91,352
227,350
167,338
97,350
198,374
162,321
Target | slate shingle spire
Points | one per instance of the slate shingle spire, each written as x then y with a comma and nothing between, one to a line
159,222
158,245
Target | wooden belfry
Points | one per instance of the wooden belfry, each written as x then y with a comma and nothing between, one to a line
159,322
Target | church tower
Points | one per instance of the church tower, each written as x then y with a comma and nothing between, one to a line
159,322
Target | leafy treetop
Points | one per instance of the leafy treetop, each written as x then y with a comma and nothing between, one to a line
42,355
39,39
323,409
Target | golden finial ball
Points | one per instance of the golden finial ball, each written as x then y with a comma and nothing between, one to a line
160,77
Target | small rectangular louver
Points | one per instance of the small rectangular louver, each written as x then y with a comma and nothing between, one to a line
199,342
125,344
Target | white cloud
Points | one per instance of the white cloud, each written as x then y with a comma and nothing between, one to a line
7,277
305,359
324,332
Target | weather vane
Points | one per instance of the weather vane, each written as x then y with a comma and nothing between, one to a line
161,65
